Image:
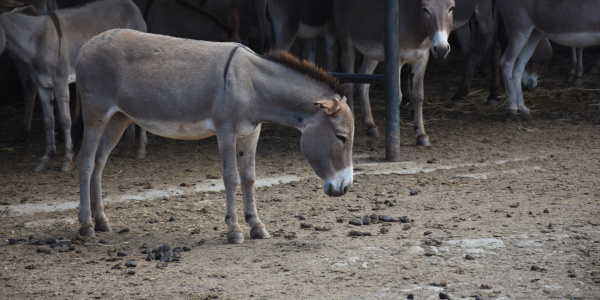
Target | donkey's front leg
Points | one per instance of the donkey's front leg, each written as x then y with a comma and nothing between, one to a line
226,140
246,152
47,99
417,97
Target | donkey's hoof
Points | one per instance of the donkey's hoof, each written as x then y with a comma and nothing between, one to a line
139,154
235,237
423,141
373,132
103,227
87,231
576,82
259,233
511,113
41,166
65,166
492,102
524,112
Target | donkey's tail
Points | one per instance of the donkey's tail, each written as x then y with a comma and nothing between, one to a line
77,123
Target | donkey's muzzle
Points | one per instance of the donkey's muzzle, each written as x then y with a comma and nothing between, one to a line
340,185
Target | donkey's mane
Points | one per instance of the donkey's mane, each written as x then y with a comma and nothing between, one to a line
309,69
195,7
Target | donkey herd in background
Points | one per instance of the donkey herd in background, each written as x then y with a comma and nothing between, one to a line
220,87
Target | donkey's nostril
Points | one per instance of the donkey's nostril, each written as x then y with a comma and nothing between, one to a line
345,189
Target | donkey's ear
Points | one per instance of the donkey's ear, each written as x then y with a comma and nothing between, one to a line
329,106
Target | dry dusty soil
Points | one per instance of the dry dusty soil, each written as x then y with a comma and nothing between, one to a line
502,210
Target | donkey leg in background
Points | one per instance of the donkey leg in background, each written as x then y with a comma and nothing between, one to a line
64,119
29,94
466,42
246,149
576,68
417,97
47,100
367,67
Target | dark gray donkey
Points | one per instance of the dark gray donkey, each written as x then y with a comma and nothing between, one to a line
48,46
572,23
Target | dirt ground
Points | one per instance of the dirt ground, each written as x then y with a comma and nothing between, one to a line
502,210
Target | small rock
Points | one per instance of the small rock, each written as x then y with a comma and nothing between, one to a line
164,248
50,241
301,217
131,264
322,228
290,235
356,222
386,218
158,255
122,253
366,221
147,251
508,215
44,250
444,296
374,218
150,257
428,232
546,211
469,257
161,265
114,258
406,227
166,257
384,230
535,268
12,241
431,161
103,242
172,218
404,219
305,225
515,205
355,233
177,249
410,297
414,192
130,272
187,248
485,287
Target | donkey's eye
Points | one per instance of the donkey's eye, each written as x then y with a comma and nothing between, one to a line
426,11
451,9
341,138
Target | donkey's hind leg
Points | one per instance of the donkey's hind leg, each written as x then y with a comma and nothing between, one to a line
113,132
246,150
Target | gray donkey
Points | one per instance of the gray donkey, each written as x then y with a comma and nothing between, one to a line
48,46
186,89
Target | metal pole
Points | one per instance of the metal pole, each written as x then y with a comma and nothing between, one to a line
392,82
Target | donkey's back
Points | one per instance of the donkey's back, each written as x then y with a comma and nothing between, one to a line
158,80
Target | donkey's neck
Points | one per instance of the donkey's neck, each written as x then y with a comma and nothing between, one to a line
287,97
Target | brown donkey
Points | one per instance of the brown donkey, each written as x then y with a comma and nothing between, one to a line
186,89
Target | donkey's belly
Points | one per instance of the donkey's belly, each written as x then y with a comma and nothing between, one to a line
182,131
581,39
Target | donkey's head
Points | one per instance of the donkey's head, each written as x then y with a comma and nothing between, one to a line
437,16
327,145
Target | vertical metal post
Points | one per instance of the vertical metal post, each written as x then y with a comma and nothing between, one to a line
392,82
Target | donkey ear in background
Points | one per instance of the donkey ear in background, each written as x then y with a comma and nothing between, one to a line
329,106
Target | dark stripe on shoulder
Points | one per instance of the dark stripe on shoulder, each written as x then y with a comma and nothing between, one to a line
227,65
